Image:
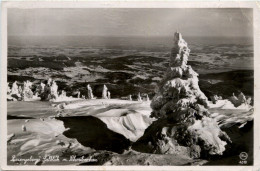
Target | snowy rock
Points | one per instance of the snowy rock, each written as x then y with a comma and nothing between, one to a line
234,100
49,81
23,128
214,99
79,94
36,94
40,88
14,88
147,98
104,92
184,125
139,98
108,95
15,93
240,100
54,90
248,100
63,94
27,92
20,90
46,93
130,97
90,94
8,89
9,97
50,91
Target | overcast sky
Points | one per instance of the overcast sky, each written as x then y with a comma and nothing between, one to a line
130,22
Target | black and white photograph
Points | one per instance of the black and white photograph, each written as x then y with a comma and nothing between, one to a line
130,87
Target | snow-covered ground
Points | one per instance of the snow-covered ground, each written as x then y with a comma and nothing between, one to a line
44,134
227,114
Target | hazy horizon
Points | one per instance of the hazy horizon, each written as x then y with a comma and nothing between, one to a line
136,41
131,22
154,36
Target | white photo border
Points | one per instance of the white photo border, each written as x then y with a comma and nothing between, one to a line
129,4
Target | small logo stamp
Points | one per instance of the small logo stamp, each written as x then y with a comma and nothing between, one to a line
243,155
243,158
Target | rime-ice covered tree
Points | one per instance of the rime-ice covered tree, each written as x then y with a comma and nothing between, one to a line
184,124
